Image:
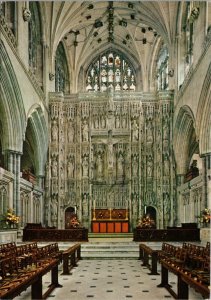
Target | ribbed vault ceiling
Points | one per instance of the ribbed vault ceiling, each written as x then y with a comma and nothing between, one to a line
89,27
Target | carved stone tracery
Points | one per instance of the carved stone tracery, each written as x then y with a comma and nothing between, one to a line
113,153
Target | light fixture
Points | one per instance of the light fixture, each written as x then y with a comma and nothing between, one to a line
98,24
123,23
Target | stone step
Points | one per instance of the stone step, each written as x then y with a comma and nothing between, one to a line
113,250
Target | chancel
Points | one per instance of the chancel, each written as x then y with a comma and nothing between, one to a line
105,134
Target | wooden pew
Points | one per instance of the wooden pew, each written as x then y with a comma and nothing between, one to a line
144,253
197,278
31,277
70,258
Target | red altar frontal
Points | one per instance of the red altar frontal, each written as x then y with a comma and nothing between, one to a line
110,221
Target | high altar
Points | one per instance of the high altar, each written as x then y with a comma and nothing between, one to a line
110,221
107,151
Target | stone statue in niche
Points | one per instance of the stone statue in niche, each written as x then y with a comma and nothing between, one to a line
150,133
70,167
134,131
149,166
166,130
54,132
70,132
166,165
85,166
117,122
85,199
85,131
99,165
120,165
96,121
110,151
124,121
54,167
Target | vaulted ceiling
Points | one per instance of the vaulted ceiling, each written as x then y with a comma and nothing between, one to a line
86,28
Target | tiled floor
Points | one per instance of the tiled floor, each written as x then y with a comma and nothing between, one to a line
108,280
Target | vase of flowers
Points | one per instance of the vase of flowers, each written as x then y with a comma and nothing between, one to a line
146,222
10,220
204,217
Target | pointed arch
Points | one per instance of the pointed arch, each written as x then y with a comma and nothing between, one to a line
203,115
184,141
36,142
13,117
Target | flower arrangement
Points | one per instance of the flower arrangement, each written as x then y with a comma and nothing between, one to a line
146,222
205,216
10,218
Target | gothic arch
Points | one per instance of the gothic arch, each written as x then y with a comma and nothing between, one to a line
184,141
36,142
203,115
13,117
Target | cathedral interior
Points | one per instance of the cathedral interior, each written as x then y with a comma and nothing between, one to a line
105,109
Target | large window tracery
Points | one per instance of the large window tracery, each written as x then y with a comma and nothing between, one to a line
35,43
61,70
110,71
162,69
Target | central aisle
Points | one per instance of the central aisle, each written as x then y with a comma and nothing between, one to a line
109,277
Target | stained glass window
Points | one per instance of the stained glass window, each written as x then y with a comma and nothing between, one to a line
110,71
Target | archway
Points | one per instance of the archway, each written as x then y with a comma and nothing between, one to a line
151,212
70,213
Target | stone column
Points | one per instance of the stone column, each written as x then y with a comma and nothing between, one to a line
206,175
13,165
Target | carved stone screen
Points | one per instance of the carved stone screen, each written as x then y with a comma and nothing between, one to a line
110,150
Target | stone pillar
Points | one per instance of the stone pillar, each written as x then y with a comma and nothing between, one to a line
13,165
206,175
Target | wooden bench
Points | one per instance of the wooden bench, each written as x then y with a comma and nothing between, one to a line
196,277
12,286
70,258
145,252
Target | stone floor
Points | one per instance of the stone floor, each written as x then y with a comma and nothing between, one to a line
108,279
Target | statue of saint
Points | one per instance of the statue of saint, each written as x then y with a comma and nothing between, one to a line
70,168
85,167
134,131
70,132
85,131
54,132
99,166
54,167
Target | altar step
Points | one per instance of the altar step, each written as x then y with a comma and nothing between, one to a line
110,250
